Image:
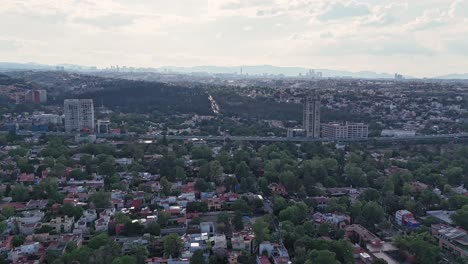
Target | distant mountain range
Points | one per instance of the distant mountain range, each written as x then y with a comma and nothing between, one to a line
251,70
274,70
463,76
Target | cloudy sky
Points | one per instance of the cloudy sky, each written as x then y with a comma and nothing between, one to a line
417,37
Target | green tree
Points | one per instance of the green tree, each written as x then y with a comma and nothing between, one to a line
202,152
197,257
125,260
133,229
18,240
163,218
422,245
48,189
51,256
58,170
70,210
98,241
172,245
167,165
454,175
166,186
242,170
202,185
8,211
322,256
140,253
372,214
79,175
3,226
180,173
460,217
261,230
106,168
197,207
19,193
355,176
246,258
44,229
224,223
80,255
153,228
71,246
237,221
296,213
101,199
106,253
242,206
279,203
121,218
211,171
370,194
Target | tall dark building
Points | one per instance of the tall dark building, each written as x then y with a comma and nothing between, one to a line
311,115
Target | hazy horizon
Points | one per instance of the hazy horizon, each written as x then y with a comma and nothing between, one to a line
417,38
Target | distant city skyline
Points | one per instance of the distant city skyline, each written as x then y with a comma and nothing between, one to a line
417,38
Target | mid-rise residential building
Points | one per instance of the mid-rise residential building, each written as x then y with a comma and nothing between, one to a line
295,132
406,218
451,239
345,131
79,115
36,96
46,119
62,224
311,116
103,126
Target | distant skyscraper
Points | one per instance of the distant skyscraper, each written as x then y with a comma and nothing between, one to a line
79,115
399,77
36,96
311,115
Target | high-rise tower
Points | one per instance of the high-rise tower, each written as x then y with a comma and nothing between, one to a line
311,115
79,115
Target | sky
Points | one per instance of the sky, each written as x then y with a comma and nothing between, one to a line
413,37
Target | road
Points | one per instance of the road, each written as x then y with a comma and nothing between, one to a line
269,139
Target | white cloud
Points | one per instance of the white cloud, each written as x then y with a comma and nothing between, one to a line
459,8
429,20
381,35
344,9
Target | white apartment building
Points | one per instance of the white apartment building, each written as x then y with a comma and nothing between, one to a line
79,115
345,131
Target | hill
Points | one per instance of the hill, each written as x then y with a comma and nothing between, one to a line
146,97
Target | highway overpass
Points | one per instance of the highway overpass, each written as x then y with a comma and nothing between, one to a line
271,139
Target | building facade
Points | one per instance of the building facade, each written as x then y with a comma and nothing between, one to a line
103,126
451,239
36,96
311,116
295,132
345,131
79,115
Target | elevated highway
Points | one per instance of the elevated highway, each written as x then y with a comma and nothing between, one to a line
425,138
